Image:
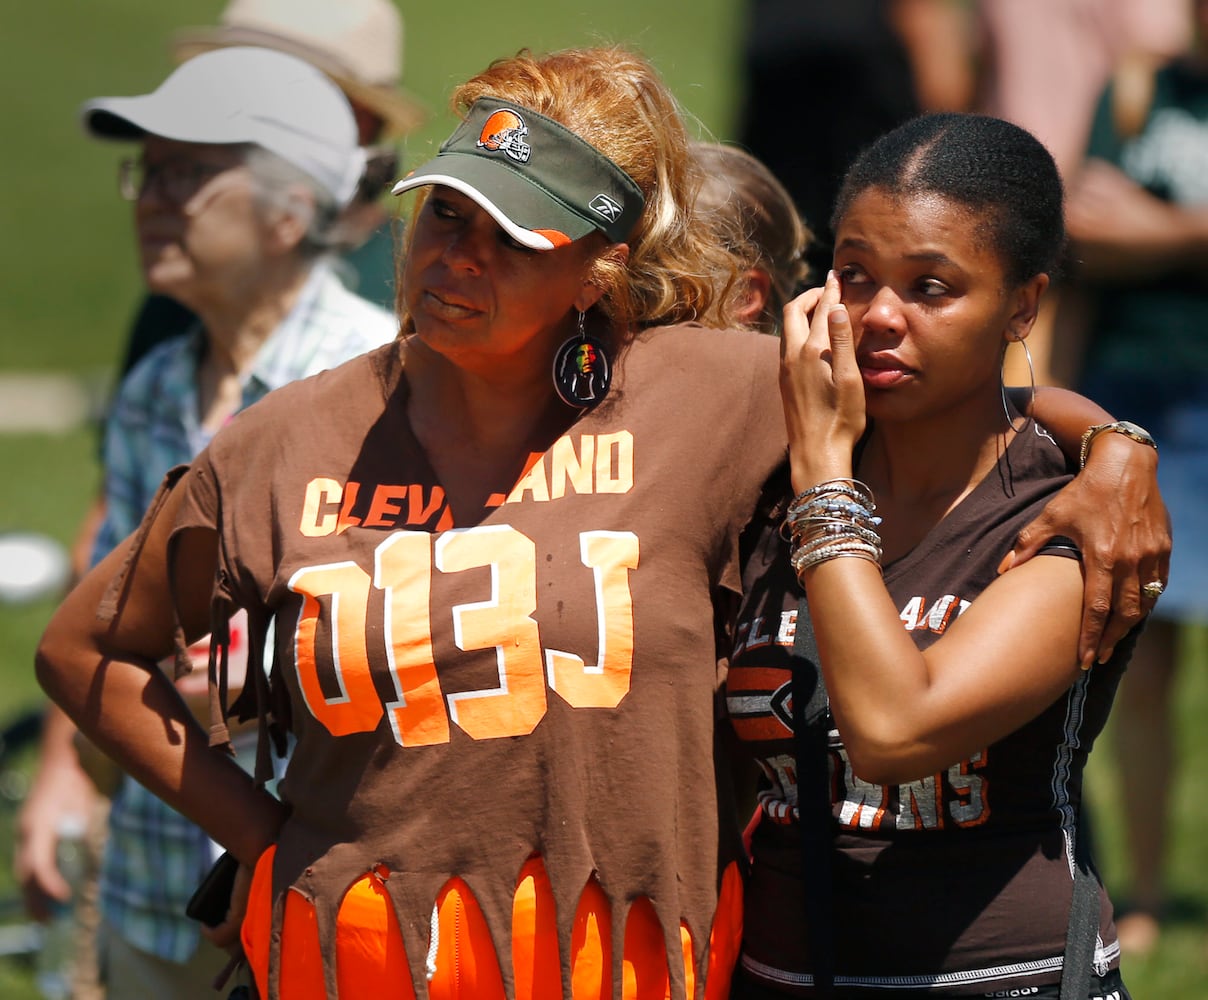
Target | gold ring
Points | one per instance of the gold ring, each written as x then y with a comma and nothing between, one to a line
1153,589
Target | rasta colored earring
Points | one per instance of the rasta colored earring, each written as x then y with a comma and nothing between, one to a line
582,371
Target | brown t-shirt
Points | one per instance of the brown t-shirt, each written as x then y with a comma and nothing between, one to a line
956,884
541,680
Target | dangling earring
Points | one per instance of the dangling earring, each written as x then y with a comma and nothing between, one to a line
1002,385
582,371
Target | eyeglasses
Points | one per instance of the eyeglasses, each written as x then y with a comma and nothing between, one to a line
175,180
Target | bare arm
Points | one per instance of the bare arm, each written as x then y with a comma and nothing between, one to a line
1115,514
105,678
905,713
936,35
60,789
1121,231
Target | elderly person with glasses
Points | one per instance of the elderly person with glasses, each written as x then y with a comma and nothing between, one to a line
246,159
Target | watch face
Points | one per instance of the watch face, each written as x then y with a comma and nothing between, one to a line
1135,431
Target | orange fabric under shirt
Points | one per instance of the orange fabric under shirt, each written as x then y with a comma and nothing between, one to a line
370,960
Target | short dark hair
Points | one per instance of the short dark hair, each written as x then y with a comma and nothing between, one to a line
984,163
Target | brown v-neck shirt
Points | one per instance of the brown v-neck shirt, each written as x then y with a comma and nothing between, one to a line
542,681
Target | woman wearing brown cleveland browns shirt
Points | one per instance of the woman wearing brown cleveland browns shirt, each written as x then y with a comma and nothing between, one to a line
495,553
501,556
918,833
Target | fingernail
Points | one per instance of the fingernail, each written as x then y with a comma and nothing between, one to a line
1086,663
1007,562
830,275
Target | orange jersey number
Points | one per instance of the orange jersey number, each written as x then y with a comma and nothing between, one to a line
334,610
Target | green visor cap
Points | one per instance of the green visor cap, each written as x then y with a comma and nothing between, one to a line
544,185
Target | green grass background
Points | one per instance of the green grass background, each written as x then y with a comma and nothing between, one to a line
70,283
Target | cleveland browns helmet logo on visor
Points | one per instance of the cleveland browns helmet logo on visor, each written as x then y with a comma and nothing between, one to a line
504,131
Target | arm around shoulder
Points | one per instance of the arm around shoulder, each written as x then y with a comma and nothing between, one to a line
1113,510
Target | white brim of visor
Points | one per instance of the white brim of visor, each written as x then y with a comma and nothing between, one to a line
525,237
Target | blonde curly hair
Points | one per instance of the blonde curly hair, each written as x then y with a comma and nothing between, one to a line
615,100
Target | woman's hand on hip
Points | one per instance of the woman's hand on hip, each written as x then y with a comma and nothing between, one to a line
226,934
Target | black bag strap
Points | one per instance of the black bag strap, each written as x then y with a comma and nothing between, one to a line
810,708
1083,930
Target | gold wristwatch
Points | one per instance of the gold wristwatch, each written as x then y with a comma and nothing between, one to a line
1125,427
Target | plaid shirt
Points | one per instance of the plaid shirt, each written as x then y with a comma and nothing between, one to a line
154,857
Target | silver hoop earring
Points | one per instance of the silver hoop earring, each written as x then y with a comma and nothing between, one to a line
1002,386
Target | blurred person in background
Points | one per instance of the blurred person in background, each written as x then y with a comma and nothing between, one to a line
873,63
753,216
1138,218
1042,64
247,159
358,44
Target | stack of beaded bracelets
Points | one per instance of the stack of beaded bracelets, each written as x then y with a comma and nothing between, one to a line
831,520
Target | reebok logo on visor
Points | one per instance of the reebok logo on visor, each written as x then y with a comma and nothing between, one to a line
538,179
606,207
505,132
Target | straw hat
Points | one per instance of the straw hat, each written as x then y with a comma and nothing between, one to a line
358,43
